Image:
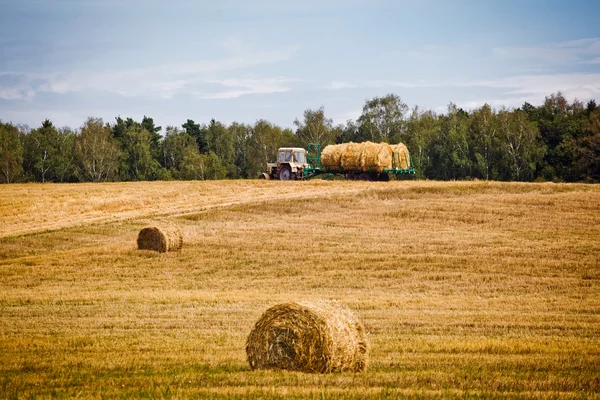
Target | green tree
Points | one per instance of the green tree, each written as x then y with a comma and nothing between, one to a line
137,163
220,142
422,129
450,149
315,128
173,148
196,166
560,125
148,124
587,148
97,152
48,153
521,145
11,153
198,133
243,143
483,135
383,118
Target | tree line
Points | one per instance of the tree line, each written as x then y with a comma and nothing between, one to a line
556,141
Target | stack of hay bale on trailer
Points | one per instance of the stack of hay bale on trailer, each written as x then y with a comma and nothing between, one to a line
366,160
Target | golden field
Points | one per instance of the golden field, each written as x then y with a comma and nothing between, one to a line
467,289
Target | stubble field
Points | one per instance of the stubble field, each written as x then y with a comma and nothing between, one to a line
467,289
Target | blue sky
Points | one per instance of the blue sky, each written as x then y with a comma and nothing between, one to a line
245,60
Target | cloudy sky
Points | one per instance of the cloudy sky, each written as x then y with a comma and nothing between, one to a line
245,60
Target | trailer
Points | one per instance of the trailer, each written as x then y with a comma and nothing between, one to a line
369,173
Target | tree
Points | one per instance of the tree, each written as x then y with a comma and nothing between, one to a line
560,124
422,129
65,158
243,144
173,147
383,118
220,142
48,153
11,153
196,166
137,163
199,134
155,137
587,149
450,148
97,152
315,128
483,135
520,142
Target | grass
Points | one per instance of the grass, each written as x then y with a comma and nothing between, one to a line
467,289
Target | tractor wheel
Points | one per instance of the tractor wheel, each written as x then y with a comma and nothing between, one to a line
383,177
364,177
264,175
285,174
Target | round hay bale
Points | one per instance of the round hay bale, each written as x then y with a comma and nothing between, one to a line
163,239
401,155
309,337
331,156
350,159
376,157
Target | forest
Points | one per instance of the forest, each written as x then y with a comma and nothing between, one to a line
557,141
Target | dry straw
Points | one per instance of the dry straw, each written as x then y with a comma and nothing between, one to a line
376,157
163,239
310,337
350,159
402,153
331,156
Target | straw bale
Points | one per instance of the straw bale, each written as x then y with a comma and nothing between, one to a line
402,151
350,159
376,157
310,337
161,239
331,156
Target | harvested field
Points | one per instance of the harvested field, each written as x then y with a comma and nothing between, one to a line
465,289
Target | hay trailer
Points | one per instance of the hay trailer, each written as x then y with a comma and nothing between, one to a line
365,173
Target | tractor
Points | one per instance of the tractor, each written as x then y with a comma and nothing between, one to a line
290,165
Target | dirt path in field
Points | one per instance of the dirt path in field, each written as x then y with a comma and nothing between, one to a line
28,209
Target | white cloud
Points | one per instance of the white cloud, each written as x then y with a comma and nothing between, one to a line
16,93
343,117
241,87
579,85
337,85
574,51
163,81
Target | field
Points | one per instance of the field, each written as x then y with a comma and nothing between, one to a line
467,289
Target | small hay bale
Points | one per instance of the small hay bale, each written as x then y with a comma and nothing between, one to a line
401,155
350,159
309,337
163,239
331,156
376,157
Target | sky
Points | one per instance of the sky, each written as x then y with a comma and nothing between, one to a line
67,60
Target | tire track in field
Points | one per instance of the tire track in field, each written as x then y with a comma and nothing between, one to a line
266,198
